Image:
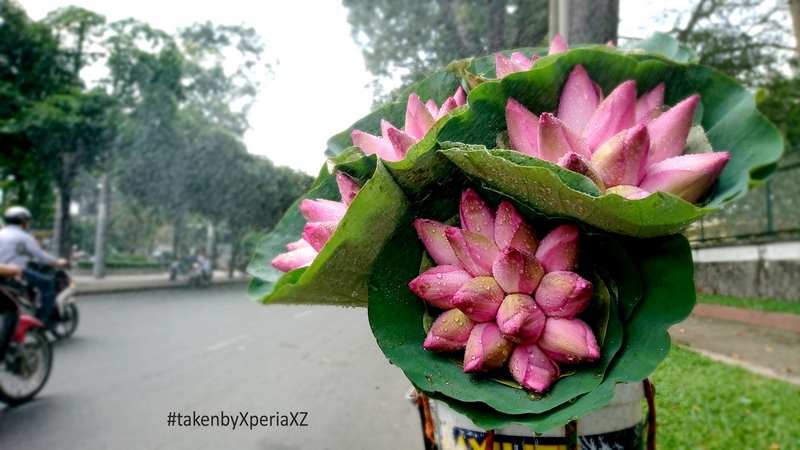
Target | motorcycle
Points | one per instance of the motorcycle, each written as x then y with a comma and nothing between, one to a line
65,308
192,270
26,355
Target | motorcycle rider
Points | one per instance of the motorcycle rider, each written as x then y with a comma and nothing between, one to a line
17,247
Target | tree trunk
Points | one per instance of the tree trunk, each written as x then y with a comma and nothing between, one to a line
211,243
587,21
794,11
235,244
55,244
103,207
62,229
176,236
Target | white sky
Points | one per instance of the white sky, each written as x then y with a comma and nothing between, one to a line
321,74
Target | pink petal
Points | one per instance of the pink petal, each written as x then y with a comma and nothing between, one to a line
559,45
482,251
322,210
449,332
517,271
628,191
621,160
318,233
559,249
669,131
686,176
479,298
486,349
564,294
511,230
504,66
520,319
348,188
568,340
523,61
556,139
461,248
476,216
649,105
374,145
616,113
523,128
438,285
432,108
289,261
532,368
400,141
432,235
418,119
447,106
297,245
579,100
578,164
460,97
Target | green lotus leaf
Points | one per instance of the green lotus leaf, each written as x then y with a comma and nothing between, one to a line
727,114
668,296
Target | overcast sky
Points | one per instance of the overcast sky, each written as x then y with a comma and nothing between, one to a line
321,74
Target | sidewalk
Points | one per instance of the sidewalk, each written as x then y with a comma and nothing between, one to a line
86,285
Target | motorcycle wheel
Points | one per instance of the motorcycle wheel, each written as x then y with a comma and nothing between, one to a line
25,368
67,323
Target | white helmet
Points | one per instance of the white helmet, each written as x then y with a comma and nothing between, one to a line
16,215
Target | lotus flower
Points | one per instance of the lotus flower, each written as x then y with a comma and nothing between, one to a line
393,143
521,63
323,217
493,271
618,140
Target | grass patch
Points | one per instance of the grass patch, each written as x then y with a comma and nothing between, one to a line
758,304
704,404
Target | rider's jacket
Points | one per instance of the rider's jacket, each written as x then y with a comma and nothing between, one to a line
17,247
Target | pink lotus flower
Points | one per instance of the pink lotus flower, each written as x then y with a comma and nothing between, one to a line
487,349
521,63
393,144
617,140
532,368
449,332
323,217
568,340
492,270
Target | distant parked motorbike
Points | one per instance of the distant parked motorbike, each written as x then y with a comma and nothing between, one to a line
65,309
26,355
191,270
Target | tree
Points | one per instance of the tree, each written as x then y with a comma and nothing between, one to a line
410,40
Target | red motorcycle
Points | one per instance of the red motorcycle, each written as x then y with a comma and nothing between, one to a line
26,355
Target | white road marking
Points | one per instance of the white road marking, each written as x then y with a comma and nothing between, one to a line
304,313
228,342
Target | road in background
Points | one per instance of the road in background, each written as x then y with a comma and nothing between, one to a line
138,356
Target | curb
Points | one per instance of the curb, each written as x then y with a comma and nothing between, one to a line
789,322
754,368
122,286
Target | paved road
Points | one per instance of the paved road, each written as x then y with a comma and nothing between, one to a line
138,356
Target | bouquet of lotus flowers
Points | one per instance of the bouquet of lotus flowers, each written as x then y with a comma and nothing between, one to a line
510,223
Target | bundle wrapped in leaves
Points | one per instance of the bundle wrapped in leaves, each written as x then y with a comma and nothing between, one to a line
511,222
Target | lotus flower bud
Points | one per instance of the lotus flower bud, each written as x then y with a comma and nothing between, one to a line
517,63
318,233
438,285
449,332
520,319
486,349
564,294
616,113
479,298
473,251
517,271
297,245
578,164
556,139
532,368
628,191
322,210
568,340
511,230
621,160
432,235
299,257
558,45
347,187
669,131
374,145
418,119
649,105
687,176
559,249
523,128
476,216
579,100
400,141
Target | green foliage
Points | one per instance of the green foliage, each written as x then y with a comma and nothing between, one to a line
756,304
712,405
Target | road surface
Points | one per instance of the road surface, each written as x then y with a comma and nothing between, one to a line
137,357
